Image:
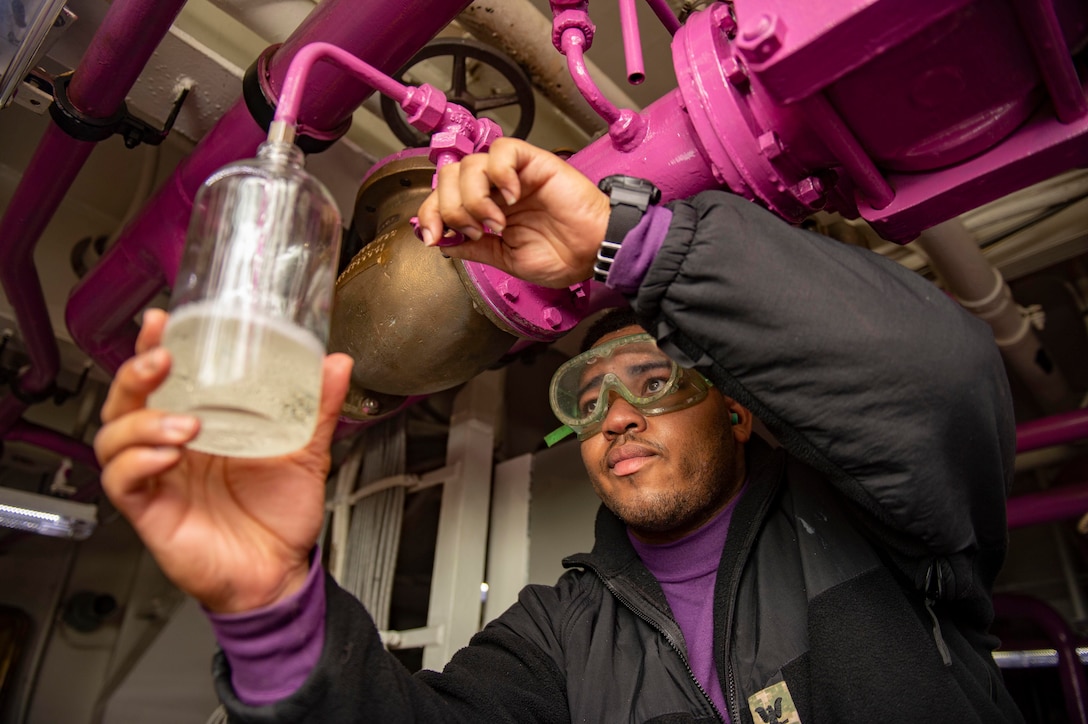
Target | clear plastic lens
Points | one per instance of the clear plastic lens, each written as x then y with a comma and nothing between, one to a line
250,310
630,367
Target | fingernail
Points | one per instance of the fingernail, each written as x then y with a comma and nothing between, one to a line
149,363
472,232
428,237
509,196
496,227
179,427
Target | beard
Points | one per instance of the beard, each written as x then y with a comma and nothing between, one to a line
703,488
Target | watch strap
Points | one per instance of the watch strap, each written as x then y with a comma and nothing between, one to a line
622,219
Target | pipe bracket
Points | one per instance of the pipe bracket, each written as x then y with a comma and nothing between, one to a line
77,124
262,108
83,127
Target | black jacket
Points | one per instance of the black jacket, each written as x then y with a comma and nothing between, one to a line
859,561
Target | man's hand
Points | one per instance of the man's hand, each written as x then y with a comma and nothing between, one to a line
550,216
233,533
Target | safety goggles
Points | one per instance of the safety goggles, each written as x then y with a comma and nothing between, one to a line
630,367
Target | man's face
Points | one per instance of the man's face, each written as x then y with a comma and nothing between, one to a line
666,475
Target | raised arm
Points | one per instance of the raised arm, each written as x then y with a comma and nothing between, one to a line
860,367
507,675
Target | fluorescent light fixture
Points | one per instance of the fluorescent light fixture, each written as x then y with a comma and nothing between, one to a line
46,515
1033,658
23,27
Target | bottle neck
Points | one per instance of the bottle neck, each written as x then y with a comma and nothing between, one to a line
281,153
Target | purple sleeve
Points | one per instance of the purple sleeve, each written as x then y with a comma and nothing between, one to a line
638,250
272,650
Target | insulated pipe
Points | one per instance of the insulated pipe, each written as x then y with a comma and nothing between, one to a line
97,90
146,256
1074,682
1045,457
1059,190
981,290
519,29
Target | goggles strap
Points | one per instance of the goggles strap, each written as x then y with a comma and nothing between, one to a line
558,435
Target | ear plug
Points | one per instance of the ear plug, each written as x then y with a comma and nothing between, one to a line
734,418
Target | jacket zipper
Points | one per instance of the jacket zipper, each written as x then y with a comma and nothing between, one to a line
932,594
730,677
657,627
734,585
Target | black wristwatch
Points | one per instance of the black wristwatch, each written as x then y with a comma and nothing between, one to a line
629,197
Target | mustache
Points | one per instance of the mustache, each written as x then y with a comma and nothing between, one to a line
634,439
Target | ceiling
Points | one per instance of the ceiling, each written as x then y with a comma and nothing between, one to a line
210,47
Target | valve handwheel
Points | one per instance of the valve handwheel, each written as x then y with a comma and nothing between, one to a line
474,65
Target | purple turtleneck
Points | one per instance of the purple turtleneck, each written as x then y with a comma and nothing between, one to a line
687,570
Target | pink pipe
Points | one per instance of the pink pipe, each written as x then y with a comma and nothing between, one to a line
120,49
97,89
573,44
632,43
43,437
384,34
303,63
665,14
55,164
1074,681
145,258
1062,503
1039,21
1050,431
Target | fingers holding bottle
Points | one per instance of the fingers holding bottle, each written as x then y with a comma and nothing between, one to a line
335,380
141,374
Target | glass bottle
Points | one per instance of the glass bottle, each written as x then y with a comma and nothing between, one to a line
251,305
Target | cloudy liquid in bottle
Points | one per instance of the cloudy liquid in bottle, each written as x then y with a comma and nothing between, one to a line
253,380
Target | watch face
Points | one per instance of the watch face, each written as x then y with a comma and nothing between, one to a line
632,183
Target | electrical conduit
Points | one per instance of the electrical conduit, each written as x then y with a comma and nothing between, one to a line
979,287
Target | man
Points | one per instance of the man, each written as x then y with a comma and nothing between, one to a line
844,577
